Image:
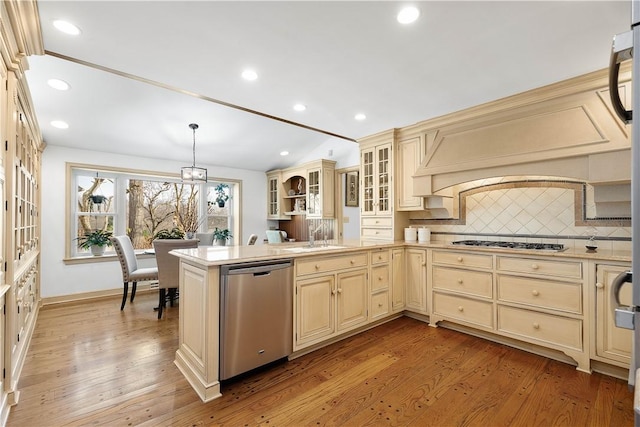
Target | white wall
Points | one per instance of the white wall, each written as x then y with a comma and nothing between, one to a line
58,279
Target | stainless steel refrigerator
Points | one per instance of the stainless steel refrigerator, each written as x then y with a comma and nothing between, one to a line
629,317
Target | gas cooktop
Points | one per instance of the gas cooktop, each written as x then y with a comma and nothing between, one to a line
512,245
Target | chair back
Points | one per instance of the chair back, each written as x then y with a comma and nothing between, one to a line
126,255
252,239
274,236
206,239
169,265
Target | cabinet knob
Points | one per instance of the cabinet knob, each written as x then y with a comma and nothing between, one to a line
534,266
535,293
380,257
459,259
380,304
333,292
317,267
423,263
599,285
460,281
339,290
460,308
352,262
379,278
536,325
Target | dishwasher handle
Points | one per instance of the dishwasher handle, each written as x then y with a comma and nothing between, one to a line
255,268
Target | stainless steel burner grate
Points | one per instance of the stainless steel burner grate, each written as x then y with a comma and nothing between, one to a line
512,245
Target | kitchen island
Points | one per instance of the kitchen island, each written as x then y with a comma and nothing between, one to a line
349,286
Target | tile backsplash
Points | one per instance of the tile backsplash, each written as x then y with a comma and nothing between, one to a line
535,214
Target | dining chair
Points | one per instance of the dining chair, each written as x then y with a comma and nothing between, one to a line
129,264
205,239
169,269
274,236
252,239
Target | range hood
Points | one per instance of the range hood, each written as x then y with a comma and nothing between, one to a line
568,129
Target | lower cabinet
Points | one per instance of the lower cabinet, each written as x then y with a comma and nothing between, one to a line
612,344
398,268
416,280
332,296
380,284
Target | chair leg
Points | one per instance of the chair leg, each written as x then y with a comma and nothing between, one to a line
124,295
133,290
172,296
161,301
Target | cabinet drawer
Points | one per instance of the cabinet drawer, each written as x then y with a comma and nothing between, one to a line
570,269
379,305
464,309
379,256
465,281
377,233
376,221
543,327
462,259
541,293
326,264
380,277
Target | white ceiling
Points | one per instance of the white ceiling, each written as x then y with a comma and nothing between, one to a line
338,58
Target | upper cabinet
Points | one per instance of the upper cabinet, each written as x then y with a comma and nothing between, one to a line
302,190
376,169
410,153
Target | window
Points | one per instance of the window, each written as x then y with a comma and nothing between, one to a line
141,205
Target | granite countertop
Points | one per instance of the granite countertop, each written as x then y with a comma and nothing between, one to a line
223,255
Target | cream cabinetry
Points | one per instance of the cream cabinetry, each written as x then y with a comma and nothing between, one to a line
409,155
398,269
320,183
416,280
302,190
380,284
462,285
612,344
332,296
531,299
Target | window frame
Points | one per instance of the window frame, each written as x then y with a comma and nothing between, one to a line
121,176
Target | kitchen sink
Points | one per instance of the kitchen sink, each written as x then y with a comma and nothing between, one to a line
302,249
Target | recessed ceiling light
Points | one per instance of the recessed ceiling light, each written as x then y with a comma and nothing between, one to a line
66,27
408,15
299,107
360,116
58,84
60,124
284,153
249,75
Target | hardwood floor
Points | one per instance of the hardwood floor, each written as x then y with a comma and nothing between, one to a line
91,364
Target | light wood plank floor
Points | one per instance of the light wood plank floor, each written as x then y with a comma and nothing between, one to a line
90,364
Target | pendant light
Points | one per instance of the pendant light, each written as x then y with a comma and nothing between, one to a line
192,174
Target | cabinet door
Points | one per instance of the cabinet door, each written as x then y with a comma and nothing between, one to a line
352,299
398,279
273,197
611,342
315,313
409,156
314,202
384,198
367,164
416,280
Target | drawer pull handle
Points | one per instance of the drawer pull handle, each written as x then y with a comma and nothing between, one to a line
460,281
536,325
459,259
460,308
535,293
534,266
599,285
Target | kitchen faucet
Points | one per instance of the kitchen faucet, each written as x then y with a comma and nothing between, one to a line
313,231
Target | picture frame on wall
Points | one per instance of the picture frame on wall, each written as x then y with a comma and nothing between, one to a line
351,189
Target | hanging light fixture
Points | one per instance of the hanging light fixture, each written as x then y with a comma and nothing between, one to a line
193,174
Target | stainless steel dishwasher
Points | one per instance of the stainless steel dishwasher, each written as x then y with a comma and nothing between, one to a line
256,315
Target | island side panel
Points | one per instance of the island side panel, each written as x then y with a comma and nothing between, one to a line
198,350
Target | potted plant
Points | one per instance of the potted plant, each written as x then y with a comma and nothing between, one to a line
95,240
221,194
174,233
221,236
